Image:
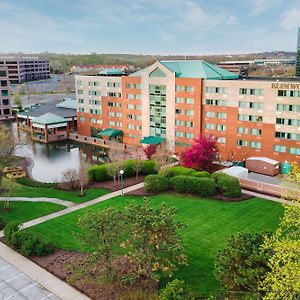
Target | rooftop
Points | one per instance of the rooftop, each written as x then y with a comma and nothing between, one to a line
48,118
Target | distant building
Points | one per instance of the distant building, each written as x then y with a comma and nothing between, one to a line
22,69
49,122
298,55
238,67
275,61
95,69
5,98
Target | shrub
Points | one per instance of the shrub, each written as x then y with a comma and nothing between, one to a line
30,182
98,173
178,170
204,187
228,185
148,167
201,174
10,229
156,183
70,180
177,290
128,167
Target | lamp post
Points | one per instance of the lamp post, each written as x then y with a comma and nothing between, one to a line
174,159
122,183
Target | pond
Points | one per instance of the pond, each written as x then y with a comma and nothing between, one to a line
50,161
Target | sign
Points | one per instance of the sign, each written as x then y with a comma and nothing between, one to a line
286,86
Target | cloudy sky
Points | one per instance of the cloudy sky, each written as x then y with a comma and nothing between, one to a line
149,26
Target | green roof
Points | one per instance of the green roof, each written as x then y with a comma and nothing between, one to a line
110,132
67,103
111,71
152,140
48,118
197,69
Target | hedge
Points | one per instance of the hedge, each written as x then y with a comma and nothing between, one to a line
201,174
204,187
156,184
29,182
177,170
99,172
228,185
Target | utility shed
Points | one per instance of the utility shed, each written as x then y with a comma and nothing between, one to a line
239,172
263,165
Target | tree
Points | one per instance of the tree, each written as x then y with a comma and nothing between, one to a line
177,290
283,280
153,243
17,100
138,162
242,265
101,231
83,173
163,157
113,169
150,150
201,154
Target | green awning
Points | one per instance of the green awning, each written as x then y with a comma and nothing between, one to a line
152,140
110,132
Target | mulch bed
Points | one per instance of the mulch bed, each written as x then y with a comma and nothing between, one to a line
243,197
58,263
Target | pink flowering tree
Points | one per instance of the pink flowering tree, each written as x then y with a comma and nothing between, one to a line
150,150
201,154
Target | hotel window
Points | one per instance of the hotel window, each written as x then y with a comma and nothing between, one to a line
179,123
95,111
130,126
95,102
182,144
255,145
113,94
93,83
114,104
79,82
179,134
81,119
254,92
290,122
81,101
216,90
133,86
256,105
189,124
189,112
92,120
178,100
80,109
157,73
113,84
111,113
138,127
279,148
287,93
178,111
209,126
242,130
287,135
80,92
189,135
130,96
209,114
157,89
288,107
119,124
242,143
94,93
221,115
130,106
111,123
221,140
138,107
221,127
255,131
216,102
294,150
179,88
250,118
189,89
189,100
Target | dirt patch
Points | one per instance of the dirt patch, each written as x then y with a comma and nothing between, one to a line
58,264
243,197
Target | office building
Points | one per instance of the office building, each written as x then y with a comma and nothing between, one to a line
178,100
5,97
22,69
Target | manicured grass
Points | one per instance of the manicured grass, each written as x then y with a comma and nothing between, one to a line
26,211
209,224
27,191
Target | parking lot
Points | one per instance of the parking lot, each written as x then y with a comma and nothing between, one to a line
15,285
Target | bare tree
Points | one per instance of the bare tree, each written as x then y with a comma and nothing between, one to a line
138,161
83,175
163,157
113,169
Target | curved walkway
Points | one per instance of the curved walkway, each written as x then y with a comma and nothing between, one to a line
39,199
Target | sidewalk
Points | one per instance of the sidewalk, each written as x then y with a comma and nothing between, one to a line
40,199
54,285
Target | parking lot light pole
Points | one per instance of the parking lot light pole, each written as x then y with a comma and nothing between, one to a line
122,183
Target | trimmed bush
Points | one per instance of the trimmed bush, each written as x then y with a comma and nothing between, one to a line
128,167
148,167
204,187
98,173
201,174
228,185
177,171
29,182
156,184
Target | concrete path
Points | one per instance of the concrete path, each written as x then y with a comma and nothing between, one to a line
271,198
40,281
40,199
78,207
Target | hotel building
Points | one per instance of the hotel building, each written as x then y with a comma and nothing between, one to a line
22,69
178,100
5,98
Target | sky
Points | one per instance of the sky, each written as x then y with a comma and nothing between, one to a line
187,27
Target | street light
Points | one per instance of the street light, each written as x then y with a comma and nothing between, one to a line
174,159
122,183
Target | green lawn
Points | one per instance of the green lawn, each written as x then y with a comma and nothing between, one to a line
27,191
210,223
26,211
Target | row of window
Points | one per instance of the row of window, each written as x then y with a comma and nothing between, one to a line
184,88
216,90
134,117
253,144
133,96
181,134
211,126
290,122
216,102
115,114
186,112
134,127
256,105
184,123
98,83
250,118
287,93
133,86
219,115
288,107
181,100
